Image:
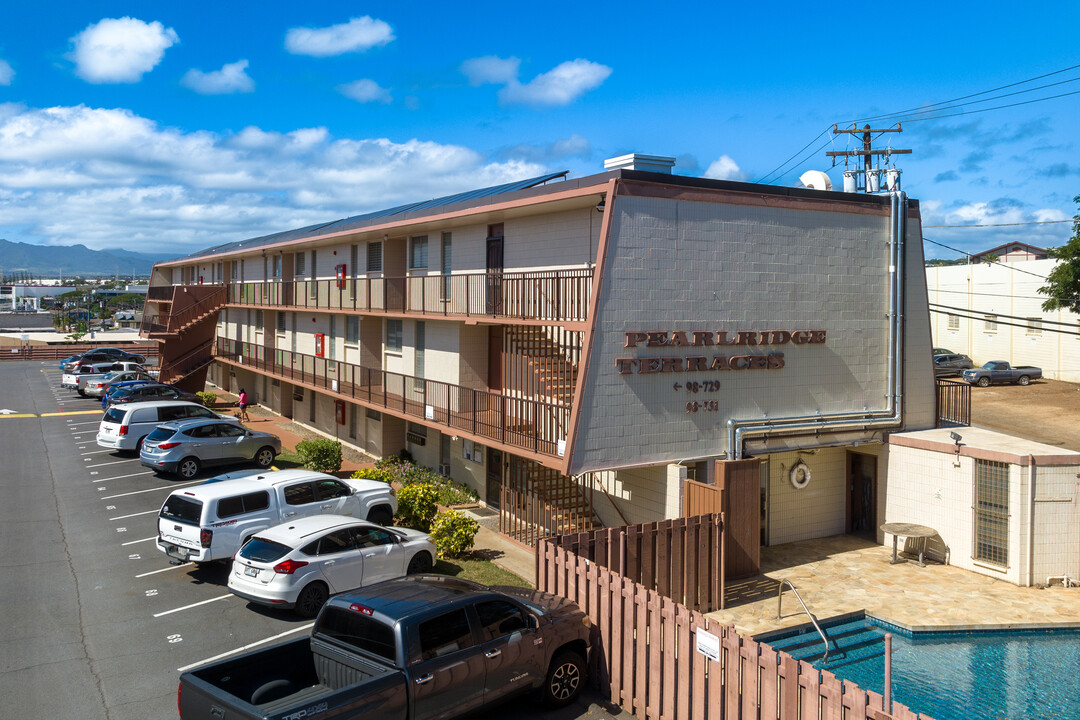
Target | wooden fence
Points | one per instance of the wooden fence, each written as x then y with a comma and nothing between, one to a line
682,558
646,657
61,351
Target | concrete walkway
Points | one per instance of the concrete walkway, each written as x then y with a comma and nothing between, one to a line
844,574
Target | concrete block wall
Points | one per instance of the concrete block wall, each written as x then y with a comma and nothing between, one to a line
819,509
646,494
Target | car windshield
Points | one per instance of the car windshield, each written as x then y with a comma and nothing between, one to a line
357,630
261,550
160,434
181,508
993,366
112,375
114,416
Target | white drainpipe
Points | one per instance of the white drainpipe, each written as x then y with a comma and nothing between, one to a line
890,415
1031,521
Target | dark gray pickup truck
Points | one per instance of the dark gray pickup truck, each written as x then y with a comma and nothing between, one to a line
999,371
421,647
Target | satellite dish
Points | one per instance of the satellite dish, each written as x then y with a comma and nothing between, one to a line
815,180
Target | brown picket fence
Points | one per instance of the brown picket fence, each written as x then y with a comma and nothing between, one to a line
645,657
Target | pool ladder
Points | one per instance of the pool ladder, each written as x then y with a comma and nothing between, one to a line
780,600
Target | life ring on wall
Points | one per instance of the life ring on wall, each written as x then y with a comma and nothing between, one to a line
799,475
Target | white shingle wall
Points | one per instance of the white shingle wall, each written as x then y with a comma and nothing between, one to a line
982,290
550,240
817,510
703,266
644,494
1057,521
442,340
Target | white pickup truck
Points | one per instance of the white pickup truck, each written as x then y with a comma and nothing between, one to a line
70,380
211,521
97,385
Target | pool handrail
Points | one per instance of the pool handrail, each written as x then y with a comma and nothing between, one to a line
779,602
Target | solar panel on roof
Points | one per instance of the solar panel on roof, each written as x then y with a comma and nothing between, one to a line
357,221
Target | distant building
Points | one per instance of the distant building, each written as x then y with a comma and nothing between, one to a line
1011,252
27,298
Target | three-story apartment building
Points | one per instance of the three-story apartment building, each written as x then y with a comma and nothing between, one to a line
580,351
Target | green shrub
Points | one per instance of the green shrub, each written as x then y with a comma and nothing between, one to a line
451,493
453,533
207,398
322,455
374,474
416,506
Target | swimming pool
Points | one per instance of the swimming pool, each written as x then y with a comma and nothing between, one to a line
1001,674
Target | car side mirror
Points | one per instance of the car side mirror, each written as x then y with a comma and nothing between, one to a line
531,622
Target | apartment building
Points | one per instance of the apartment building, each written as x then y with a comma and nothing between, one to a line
594,351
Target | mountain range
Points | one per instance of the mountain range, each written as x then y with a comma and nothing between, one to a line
52,260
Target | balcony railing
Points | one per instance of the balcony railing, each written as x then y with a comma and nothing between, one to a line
953,403
200,304
556,296
160,293
514,422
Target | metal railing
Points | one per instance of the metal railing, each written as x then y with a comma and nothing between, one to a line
558,295
779,614
520,423
176,321
953,402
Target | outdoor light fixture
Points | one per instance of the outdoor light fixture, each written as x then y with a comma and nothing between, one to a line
602,204
956,438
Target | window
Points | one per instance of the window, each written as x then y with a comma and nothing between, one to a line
419,347
447,252
276,264
362,632
335,542
281,322
352,421
234,268
992,512
418,253
373,415
352,330
331,489
416,434
332,353
445,634
954,322
354,256
240,504
990,323
258,320
499,618
370,537
1034,326
300,260
393,335
374,257
300,494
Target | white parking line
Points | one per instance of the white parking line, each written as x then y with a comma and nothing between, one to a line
114,462
137,492
96,452
125,517
133,542
83,432
120,477
193,605
95,422
174,567
246,647
86,442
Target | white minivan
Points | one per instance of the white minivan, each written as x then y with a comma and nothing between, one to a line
123,427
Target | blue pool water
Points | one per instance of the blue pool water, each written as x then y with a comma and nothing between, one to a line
1006,675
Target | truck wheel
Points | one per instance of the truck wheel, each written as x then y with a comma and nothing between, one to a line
82,393
311,599
381,516
565,679
187,468
420,563
983,382
1023,380
265,457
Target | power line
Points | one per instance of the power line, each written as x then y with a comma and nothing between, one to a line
988,262
997,107
997,314
1000,295
1035,222
969,317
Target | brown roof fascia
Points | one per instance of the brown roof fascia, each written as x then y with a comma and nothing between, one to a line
590,331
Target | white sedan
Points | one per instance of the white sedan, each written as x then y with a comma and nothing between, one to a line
299,564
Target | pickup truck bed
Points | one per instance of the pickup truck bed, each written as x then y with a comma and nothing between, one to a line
290,678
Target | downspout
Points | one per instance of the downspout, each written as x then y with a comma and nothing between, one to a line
1031,521
891,414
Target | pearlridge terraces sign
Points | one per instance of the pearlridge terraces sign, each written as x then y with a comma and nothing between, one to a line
742,339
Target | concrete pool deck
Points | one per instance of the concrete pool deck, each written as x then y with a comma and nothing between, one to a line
844,574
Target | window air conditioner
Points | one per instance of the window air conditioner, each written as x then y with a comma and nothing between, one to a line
444,469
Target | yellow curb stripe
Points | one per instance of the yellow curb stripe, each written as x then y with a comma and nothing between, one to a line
18,415
75,412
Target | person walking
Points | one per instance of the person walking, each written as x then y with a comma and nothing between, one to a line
243,405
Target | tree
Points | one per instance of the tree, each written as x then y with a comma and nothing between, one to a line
1063,283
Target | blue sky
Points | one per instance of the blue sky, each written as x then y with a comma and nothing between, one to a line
166,128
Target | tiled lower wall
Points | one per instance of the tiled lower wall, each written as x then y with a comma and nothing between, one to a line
817,510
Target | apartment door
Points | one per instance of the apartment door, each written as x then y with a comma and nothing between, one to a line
494,269
862,494
494,478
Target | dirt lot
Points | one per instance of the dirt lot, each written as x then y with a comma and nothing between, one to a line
1046,411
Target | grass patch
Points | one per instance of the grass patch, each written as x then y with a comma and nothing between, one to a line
479,570
288,460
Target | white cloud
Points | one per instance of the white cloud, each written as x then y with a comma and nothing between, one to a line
365,91
491,69
110,178
120,50
724,168
231,78
357,35
7,73
559,86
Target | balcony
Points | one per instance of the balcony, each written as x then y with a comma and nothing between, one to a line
526,426
190,304
556,296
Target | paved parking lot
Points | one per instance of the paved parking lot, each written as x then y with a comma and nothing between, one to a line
97,623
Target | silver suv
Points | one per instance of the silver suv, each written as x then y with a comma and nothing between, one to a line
184,447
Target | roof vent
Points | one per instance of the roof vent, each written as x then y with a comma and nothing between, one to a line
816,180
636,161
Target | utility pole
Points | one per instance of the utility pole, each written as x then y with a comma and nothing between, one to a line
867,151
